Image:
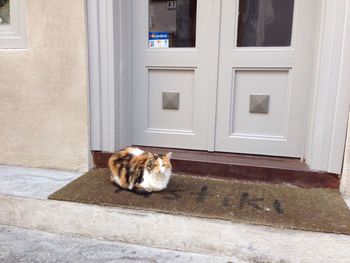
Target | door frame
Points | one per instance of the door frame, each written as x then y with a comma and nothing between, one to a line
110,82
329,100
110,75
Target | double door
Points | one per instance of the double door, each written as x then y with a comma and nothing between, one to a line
229,75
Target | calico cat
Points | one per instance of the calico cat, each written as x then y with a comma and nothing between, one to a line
139,171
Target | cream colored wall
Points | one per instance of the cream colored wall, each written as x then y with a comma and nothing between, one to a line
44,90
345,179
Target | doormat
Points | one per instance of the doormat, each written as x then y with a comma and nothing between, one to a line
282,206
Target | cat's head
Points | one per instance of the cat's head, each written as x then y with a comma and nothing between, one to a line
160,163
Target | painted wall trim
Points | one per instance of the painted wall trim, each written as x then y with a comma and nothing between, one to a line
109,73
94,74
343,99
123,62
330,99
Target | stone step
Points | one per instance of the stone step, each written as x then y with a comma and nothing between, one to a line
249,243
27,245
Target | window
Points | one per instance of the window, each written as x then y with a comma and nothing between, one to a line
265,23
4,12
172,23
12,24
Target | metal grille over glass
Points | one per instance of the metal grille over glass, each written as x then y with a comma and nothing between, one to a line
4,12
265,23
172,23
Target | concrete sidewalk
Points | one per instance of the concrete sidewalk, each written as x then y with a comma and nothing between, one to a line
33,182
22,245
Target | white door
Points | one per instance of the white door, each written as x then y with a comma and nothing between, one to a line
264,62
171,73
243,92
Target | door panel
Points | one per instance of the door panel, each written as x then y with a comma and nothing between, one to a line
168,80
170,61
249,83
255,73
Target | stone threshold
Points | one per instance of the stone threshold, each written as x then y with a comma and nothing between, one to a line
276,170
249,243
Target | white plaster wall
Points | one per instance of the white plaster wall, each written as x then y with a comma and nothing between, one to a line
44,90
345,179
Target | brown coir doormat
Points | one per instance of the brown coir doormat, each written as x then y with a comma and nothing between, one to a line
264,204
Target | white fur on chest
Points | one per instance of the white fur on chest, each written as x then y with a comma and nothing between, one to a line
155,182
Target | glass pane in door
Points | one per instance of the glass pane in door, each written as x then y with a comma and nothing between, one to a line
172,23
4,12
265,23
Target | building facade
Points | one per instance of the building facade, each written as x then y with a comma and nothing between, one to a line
247,77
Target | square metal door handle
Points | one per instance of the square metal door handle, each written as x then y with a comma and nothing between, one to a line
259,103
171,100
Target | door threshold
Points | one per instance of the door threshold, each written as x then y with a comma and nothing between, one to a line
276,170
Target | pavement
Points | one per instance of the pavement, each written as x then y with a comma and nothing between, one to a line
33,182
23,245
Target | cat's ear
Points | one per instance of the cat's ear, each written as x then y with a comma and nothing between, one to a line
168,155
